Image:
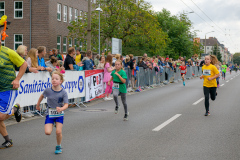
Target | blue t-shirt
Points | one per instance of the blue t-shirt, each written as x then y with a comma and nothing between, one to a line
55,98
41,62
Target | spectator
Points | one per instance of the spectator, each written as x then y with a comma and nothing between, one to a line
87,62
69,61
143,63
32,59
59,67
102,62
126,62
57,55
131,63
107,76
22,51
41,61
134,73
96,60
145,55
52,63
79,57
51,54
55,52
168,65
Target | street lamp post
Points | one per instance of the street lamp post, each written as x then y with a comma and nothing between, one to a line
100,10
206,40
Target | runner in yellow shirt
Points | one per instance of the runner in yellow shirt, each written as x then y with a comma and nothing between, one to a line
9,84
210,73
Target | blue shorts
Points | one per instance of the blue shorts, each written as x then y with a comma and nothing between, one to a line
7,100
52,120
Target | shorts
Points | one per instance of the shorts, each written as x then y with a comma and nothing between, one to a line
7,100
52,120
183,74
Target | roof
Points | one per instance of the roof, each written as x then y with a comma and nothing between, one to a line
210,42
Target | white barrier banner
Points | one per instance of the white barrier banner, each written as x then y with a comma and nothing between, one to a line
32,86
94,84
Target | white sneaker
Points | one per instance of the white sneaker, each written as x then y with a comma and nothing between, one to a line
105,99
110,98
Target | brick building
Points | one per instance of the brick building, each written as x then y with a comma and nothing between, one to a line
41,22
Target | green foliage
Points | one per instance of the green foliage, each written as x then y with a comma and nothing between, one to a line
141,30
217,53
236,58
180,40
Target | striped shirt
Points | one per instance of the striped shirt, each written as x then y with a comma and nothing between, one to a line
8,60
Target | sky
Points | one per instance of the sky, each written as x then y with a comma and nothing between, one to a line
220,16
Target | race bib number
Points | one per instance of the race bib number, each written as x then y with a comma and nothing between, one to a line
53,113
115,85
206,72
182,71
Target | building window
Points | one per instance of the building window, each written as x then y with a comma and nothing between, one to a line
80,14
70,14
2,9
76,15
64,44
70,42
59,9
65,14
18,9
3,42
59,43
18,40
207,47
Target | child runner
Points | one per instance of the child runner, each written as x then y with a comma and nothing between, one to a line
183,70
57,102
210,73
224,69
119,77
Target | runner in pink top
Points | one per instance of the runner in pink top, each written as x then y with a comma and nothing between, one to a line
107,76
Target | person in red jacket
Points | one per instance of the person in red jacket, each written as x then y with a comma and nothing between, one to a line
183,71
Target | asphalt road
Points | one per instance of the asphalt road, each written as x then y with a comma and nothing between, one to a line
103,135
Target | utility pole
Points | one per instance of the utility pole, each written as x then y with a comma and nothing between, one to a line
89,26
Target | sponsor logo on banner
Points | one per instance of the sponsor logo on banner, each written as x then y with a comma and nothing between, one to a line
94,84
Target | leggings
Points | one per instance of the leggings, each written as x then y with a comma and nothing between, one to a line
123,97
224,74
212,92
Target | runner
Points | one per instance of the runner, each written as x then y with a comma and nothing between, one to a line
57,102
119,77
183,70
224,70
9,83
231,68
210,73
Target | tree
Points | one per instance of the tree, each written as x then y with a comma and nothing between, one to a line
134,23
216,52
236,58
180,40
197,48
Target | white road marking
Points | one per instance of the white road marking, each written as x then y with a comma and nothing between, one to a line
222,85
227,81
198,101
158,128
231,78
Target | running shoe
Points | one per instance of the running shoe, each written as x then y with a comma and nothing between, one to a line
7,144
58,150
125,118
184,83
116,110
207,114
18,114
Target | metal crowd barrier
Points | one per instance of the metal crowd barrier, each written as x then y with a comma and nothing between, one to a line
149,78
